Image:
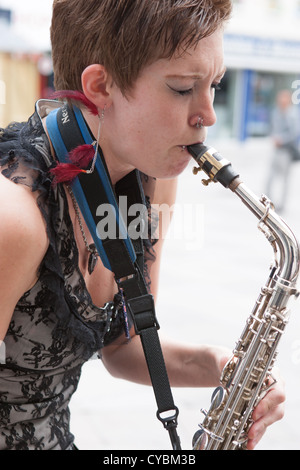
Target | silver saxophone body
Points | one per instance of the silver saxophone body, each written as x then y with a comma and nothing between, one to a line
247,376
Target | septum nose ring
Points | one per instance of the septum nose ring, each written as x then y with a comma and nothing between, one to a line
199,124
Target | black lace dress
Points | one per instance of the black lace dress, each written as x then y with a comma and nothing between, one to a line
55,327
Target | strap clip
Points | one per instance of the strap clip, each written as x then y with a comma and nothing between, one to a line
170,424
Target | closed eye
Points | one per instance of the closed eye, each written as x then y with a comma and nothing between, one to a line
181,92
189,91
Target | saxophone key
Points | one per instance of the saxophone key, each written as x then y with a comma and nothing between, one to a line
200,440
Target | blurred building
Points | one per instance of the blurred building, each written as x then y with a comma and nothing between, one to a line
25,66
262,55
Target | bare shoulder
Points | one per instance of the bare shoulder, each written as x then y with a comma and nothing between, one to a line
23,244
22,225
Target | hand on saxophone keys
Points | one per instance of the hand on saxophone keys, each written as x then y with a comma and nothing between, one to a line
266,411
269,410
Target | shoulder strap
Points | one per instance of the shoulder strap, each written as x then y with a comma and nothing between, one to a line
67,129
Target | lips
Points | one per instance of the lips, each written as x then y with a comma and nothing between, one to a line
184,147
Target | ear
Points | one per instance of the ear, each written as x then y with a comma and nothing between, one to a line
96,84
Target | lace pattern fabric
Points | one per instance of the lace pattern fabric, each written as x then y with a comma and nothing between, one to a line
55,327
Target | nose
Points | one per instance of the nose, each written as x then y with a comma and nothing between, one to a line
203,109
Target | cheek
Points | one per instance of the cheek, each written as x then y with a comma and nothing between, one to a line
149,124
129,135
132,120
153,114
162,125
145,128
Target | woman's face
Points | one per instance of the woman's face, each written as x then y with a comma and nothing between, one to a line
150,129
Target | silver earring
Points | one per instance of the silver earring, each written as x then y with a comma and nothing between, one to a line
96,142
199,124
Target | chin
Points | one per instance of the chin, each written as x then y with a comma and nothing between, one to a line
180,167
171,173
171,167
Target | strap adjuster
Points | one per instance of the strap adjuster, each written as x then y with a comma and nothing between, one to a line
142,310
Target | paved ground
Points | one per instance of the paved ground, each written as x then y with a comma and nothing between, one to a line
216,275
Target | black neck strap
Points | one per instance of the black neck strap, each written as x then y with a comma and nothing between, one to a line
67,130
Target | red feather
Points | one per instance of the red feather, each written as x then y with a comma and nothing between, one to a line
65,173
82,155
76,96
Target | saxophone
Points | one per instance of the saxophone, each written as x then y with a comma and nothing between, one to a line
247,376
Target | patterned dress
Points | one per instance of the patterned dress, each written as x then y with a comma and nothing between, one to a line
55,327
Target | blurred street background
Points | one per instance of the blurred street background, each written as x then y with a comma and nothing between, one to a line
215,258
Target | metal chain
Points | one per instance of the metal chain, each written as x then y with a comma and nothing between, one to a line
90,248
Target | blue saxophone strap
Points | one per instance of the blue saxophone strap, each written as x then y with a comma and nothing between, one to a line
67,130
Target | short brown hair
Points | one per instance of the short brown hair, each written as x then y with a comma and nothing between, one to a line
126,35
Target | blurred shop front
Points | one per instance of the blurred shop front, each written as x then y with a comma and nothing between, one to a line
257,69
25,72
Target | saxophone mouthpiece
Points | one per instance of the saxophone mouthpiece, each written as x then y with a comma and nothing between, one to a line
217,168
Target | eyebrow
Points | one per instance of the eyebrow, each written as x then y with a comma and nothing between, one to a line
196,76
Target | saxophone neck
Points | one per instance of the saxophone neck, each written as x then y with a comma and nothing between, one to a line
220,170
283,240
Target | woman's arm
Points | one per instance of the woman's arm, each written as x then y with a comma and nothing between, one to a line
187,365
23,243
194,366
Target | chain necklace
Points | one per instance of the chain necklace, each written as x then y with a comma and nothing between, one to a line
93,257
